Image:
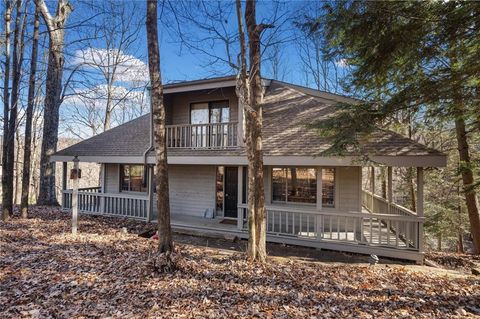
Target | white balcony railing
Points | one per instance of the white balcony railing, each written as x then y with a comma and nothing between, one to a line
209,136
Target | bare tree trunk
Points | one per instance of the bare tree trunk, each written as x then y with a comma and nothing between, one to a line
6,206
108,118
17,171
56,31
460,246
243,93
439,242
18,51
28,121
158,110
254,122
471,199
9,140
411,188
411,170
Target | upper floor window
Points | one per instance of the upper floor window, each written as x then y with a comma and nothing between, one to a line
209,112
296,185
132,178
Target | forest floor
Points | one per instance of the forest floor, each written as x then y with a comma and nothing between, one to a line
107,271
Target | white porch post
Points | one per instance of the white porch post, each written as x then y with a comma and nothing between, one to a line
420,206
239,198
102,189
150,171
102,180
390,188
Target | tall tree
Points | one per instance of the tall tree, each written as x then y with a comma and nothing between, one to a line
6,206
408,55
56,31
250,92
158,109
29,118
9,139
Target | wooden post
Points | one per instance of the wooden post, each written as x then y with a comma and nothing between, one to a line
420,206
64,184
239,198
372,184
75,196
390,188
64,177
319,188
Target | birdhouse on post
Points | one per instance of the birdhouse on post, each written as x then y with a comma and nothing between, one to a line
75,173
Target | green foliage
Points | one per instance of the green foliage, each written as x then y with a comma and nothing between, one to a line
410,55
416,68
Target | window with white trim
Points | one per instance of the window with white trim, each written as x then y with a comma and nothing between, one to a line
132,178
294,185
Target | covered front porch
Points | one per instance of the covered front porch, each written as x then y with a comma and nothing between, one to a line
379,227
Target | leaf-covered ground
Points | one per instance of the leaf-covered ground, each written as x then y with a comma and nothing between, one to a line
461,262
106,272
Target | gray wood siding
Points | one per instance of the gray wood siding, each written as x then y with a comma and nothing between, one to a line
348,186
179,107
192,190
112,178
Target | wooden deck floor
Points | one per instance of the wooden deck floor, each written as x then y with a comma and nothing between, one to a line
185,220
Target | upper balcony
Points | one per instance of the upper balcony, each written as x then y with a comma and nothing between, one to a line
203,119
210,136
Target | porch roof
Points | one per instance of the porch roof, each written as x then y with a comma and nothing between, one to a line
287,111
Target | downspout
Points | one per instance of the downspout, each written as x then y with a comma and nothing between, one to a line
150,144
146,172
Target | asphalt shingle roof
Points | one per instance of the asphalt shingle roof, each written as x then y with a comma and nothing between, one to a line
287,111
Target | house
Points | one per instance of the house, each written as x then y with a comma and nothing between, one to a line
311,200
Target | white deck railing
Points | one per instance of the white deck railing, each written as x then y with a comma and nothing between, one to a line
124,205
379,205
395,231
214,135
386,230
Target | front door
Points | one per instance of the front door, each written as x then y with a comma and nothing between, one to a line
231,192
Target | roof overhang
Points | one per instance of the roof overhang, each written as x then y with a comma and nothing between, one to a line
199,86
397,161
205,85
